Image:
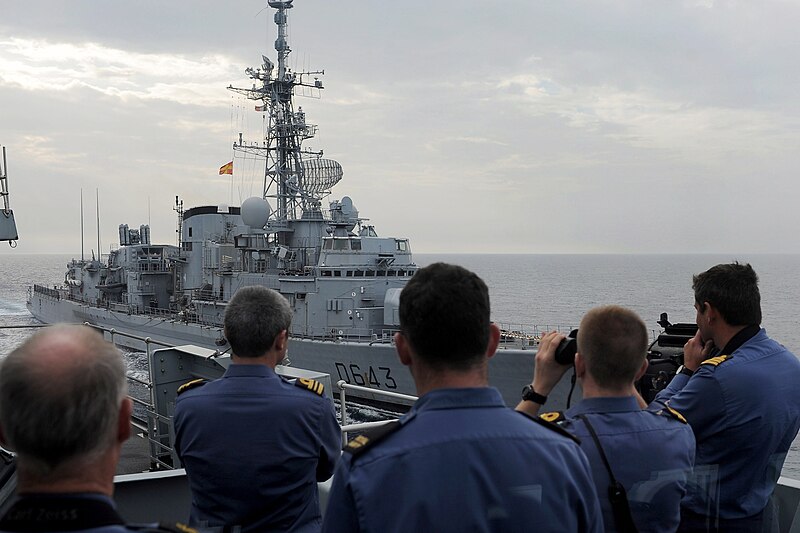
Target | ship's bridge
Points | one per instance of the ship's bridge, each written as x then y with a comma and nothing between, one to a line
379,253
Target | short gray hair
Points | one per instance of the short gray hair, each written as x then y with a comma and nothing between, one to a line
57,413
254,318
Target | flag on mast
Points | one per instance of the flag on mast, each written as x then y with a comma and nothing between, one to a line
227,168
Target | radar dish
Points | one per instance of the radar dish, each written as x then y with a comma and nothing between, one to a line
255,212
320,175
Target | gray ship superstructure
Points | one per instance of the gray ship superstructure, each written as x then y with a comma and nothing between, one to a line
340,277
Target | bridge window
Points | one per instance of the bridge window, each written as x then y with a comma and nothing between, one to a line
355,244
340,244
327,244
359,273
402,246
337,273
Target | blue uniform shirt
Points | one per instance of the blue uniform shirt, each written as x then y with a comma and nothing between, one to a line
650,454
745,412
461,460
254,447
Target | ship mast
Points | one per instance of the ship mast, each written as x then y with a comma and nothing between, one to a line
292,175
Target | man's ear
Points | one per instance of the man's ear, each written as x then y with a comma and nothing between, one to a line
642,370
494,340
124,423
580,365
403,348
281,341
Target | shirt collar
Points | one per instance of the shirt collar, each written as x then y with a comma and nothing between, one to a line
459,398
622,404
740,338
236,370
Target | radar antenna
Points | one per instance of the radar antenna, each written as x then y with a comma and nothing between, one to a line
296,177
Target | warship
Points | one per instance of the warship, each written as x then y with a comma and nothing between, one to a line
341,278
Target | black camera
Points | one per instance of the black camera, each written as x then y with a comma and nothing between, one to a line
565,352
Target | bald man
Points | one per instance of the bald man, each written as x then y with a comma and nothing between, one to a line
64,410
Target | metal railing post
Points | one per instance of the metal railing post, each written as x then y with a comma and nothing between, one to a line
343,407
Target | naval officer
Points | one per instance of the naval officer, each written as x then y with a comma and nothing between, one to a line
649,453
738,390
64,410
254,445
460,460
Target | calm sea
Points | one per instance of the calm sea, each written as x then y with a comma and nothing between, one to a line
542,290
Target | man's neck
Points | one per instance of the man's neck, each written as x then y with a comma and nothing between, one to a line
724,335
593,390
95,477
267,359
451,380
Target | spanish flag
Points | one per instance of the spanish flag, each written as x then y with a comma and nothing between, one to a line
226,168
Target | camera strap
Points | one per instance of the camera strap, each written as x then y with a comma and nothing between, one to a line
616,492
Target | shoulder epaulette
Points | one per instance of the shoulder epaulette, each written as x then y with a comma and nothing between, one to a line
191,385
551,426
310,384
552,416
718,360
367,440
669,412
175,527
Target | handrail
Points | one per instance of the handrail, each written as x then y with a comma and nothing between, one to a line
366,425
343,385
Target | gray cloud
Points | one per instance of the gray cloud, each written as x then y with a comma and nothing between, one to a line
592,126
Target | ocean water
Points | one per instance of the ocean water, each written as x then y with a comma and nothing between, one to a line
542,290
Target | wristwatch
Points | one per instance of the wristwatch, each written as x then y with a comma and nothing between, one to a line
685,371
530,395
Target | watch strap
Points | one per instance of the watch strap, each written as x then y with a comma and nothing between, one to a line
530,395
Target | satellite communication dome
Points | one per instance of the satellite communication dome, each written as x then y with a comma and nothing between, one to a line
255,212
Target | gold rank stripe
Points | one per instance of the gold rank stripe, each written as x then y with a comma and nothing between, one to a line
716,360
357,442
677,415
550,417
312,385
189,384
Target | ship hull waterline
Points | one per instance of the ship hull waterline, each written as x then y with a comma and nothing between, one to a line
373,365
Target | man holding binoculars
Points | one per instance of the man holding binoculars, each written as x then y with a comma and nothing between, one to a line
640,459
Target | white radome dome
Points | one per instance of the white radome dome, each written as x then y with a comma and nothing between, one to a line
255,212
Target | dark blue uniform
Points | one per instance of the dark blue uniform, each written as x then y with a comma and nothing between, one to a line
744,408
461,460
254,447
77,513
650,453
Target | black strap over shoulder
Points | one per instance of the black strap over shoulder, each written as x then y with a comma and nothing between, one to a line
616,491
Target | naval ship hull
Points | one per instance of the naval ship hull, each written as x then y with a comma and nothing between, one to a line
373,365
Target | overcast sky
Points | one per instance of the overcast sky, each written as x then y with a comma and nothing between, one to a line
519,126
